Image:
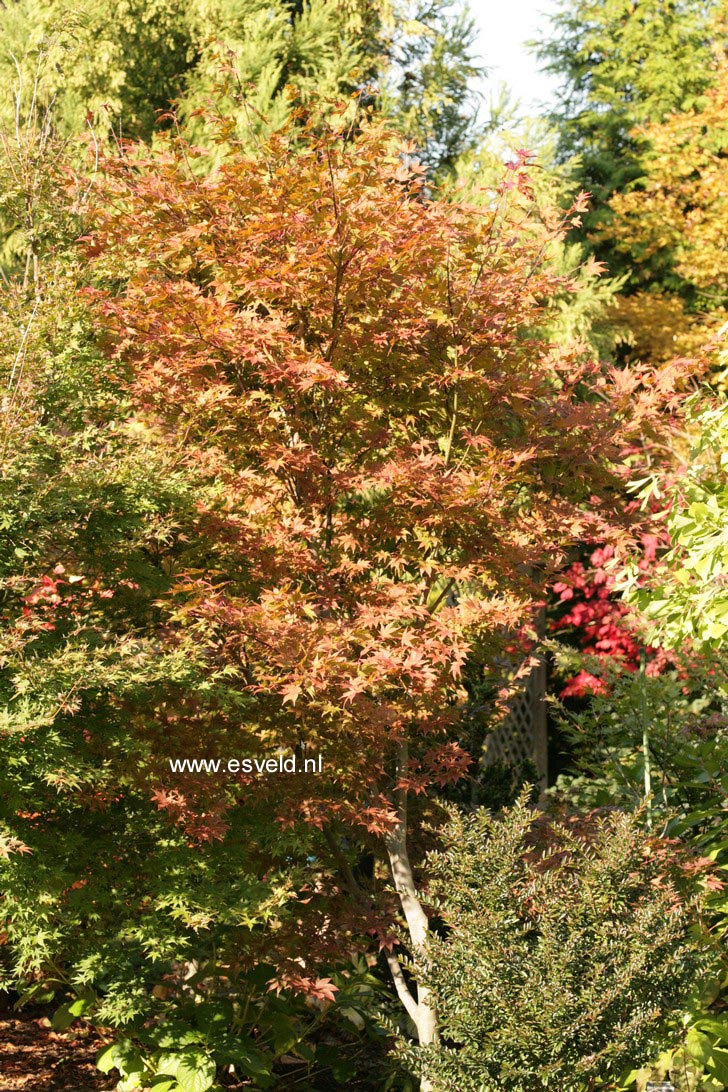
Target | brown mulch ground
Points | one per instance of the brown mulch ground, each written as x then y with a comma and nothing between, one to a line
35,1059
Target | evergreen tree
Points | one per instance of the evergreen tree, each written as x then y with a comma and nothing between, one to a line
270,58
670,227
427,80
623,63
110,62
121,65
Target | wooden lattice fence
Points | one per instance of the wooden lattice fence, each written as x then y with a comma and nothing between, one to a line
522,737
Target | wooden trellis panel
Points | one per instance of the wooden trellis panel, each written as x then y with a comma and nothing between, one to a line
522,736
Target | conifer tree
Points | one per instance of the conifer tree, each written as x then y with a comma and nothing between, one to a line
122,65
427,80
670,227
108,62
623,64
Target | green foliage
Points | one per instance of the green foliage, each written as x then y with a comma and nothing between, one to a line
118,63
682,712
38,211
687,597
567,954
622,64
120,66
92,518
660,742
272,58
427,83
207,1022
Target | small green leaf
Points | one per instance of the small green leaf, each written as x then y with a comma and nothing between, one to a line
130,1083
105,1060
62,1018
196,1073
123,1056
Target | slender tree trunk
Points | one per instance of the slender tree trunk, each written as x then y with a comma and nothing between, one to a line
422,1010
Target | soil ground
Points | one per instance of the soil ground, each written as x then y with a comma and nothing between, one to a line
35,1059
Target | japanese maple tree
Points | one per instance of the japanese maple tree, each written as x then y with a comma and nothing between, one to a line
394,449
332,454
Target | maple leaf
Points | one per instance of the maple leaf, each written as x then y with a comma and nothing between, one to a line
291,692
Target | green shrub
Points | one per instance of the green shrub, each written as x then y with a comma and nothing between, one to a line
567,956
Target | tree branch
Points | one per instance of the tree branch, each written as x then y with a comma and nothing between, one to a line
400,985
